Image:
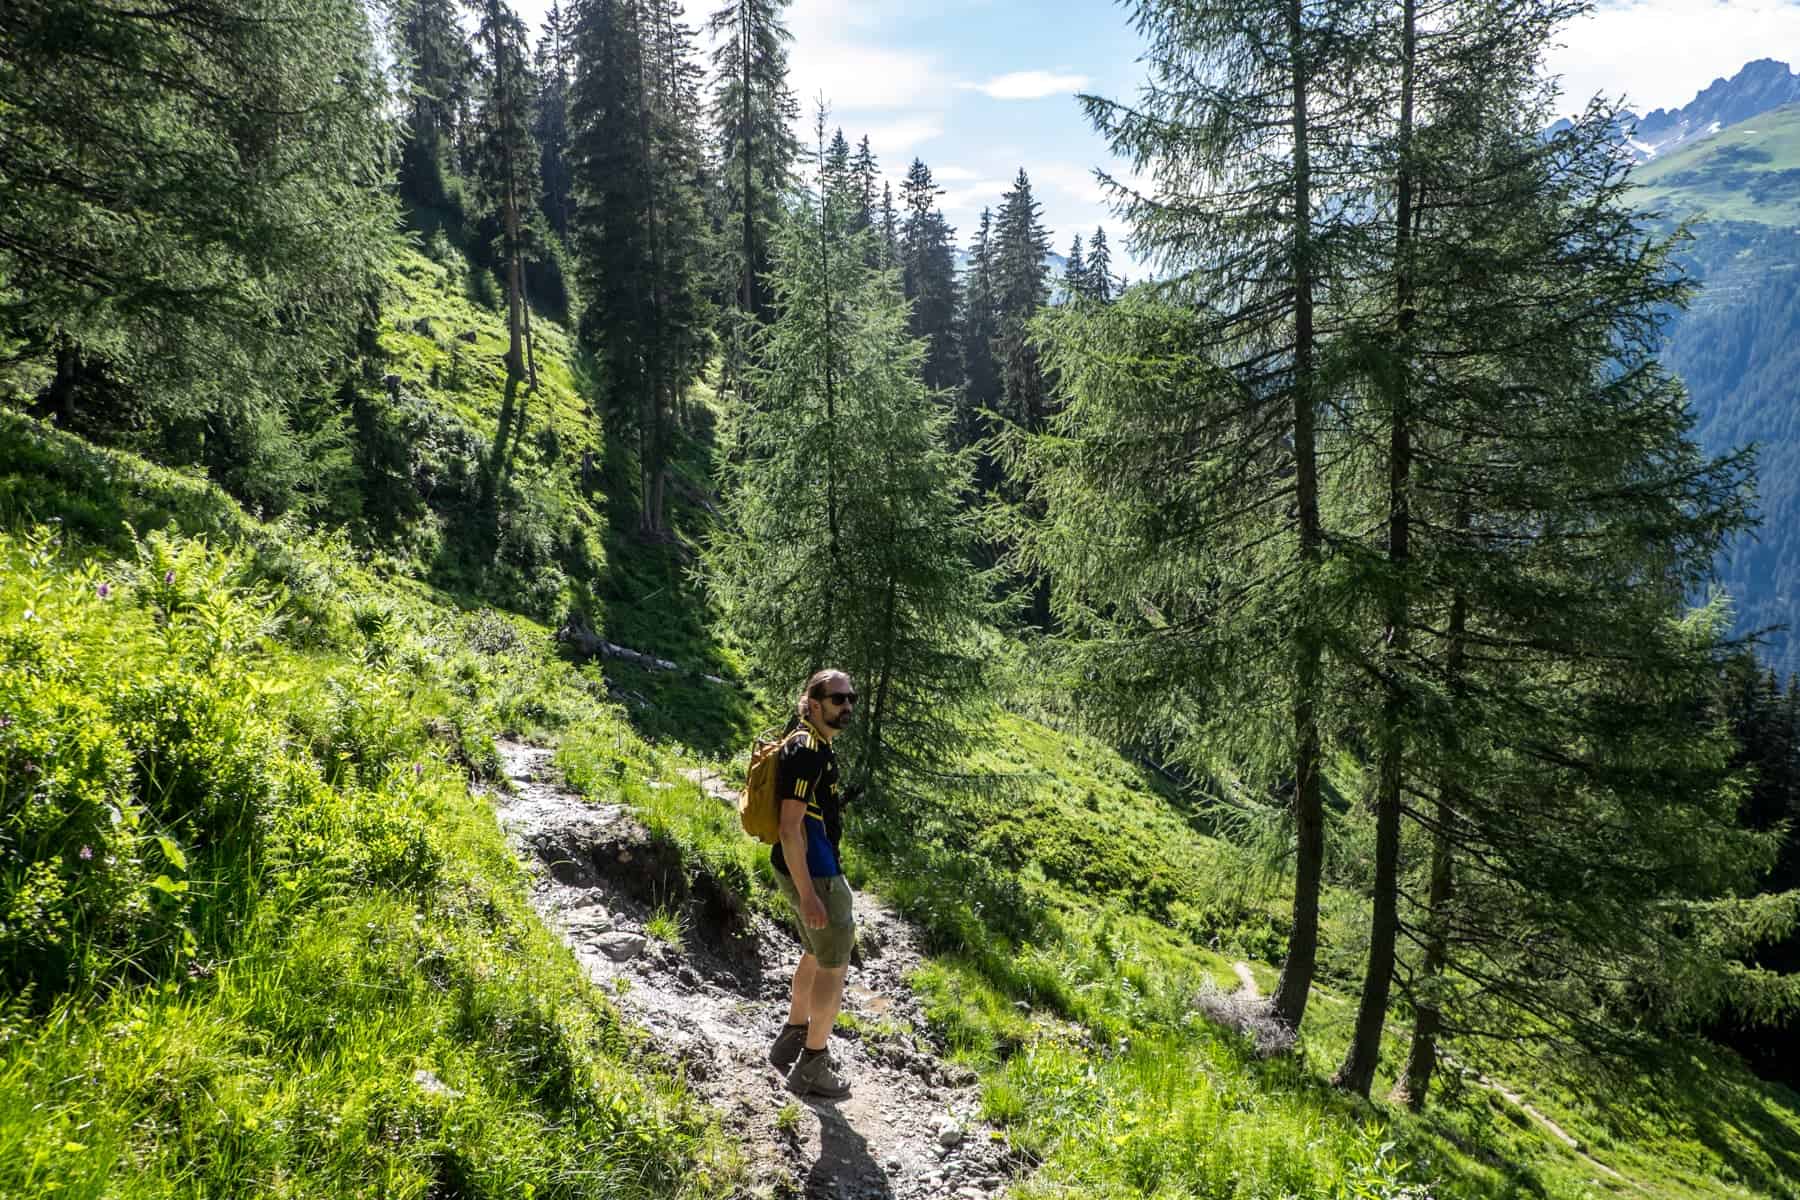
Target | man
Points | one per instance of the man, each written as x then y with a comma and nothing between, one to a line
808,870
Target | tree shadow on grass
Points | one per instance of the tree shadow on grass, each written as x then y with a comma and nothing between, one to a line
649,599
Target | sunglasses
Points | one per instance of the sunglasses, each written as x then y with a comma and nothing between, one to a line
840,697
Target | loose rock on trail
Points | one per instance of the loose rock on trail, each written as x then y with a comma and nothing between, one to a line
910,1129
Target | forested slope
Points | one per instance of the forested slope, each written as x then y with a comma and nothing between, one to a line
370,395
1738,347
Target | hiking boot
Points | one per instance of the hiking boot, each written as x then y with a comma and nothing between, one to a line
788,1044
816,1075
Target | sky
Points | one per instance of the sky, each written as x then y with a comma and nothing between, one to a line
979,89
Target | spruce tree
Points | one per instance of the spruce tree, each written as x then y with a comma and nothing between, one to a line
867,173
1021,288
842,542
174,252
550,118
1075,284
888,242
753,113
928,275
640,235
506,169
981,372
436,70
1099,268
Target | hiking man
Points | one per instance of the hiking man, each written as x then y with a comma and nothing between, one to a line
809,873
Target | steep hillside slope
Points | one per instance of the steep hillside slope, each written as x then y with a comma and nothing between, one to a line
1738,348
320,978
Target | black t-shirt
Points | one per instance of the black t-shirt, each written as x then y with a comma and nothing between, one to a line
807,769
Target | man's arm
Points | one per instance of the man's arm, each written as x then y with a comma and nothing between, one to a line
793,851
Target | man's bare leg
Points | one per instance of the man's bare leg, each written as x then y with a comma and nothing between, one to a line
800,1007
827,995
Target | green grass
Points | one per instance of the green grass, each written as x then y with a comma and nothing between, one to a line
328,983
277,944
1746,172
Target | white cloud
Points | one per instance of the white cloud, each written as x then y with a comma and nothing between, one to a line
894,141
1028,85
954,174
1659,53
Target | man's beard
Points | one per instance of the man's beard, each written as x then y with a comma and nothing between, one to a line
841,721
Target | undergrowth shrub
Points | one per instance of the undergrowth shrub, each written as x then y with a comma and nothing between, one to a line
248,901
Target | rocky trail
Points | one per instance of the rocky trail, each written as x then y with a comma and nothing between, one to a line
714,1001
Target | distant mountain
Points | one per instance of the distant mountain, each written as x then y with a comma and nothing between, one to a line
1738,346
1758,87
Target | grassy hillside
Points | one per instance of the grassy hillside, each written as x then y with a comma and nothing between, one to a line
1746,172
298,961
272,928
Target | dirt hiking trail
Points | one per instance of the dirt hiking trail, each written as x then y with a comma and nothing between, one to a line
713,1004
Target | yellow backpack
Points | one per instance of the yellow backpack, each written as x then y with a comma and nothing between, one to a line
759,810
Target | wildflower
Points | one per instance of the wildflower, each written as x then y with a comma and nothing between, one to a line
169,577
86,854
418,769
6,720
30,615
103,590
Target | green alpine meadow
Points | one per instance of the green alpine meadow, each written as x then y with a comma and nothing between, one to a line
1295,688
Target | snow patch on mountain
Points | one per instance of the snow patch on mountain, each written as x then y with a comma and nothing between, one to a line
1758,87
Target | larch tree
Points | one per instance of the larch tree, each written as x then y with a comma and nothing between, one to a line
1245,124
1576,805
842,541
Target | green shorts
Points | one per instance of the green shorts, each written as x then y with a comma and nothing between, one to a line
830,945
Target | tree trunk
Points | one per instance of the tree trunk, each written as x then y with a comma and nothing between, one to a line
749,238
651,448
530,353
1303,936
515,284
1421,1056
1358,1070
878,704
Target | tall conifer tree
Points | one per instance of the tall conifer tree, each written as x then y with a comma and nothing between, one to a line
1262,96
928,274
166,239
753,113
550,118
1075,282
640,234
507,163
1099,268
1021,287
843,542
980,326
436,69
